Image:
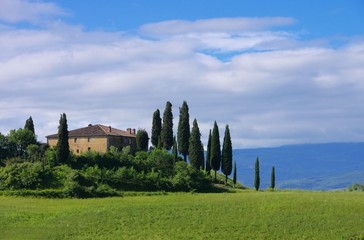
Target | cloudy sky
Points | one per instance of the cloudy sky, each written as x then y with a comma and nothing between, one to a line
278,72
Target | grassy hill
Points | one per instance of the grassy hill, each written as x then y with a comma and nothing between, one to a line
243,215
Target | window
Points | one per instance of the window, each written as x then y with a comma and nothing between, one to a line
75,140
78,151
88,139
89,149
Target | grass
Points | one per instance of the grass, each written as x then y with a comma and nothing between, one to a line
241,215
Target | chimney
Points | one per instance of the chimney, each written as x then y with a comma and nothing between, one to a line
134,131
128,130
109,129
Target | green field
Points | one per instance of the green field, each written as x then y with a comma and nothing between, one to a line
243,215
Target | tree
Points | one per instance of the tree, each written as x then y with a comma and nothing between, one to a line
29,125
4,148
175,150
208,154
195,147
202,157
156,128
183,135
63,148
142,140
167,127
215,159
19,140
257,177
227,154
273,179
234,174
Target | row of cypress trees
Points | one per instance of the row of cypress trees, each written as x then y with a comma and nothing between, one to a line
189,141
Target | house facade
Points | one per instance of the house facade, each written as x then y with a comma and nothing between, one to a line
97,138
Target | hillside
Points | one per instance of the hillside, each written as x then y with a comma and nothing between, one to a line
306,166
241,215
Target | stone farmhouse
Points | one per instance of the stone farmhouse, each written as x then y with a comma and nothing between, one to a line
97,138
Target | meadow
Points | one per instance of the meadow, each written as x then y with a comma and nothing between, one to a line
242,215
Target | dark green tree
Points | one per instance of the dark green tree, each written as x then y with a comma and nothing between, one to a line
29,125
195,147
167,127
183,135
257,177
215,159
227,154
4,148
142,140
273,179
234,174
63,148
208,155
156,128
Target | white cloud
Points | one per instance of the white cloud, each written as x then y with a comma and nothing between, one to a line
272,89
14,11
217,25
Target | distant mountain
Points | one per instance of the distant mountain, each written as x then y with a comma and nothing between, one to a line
307,166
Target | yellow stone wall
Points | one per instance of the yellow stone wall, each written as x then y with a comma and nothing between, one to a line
81,145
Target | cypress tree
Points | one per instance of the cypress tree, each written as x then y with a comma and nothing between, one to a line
234,174
156,128
63,149
273,179
167,127
257,177
183,135
195,147
215,158
208,154
29,125
227,154
142,140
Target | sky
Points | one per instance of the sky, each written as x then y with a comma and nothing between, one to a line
277,72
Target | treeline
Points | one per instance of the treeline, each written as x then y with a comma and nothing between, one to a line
173,163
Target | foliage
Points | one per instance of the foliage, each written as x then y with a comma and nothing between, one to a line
208,154
356,187
63,149
234,174
227,154
215,160
142,140
19,140
256,176
273,179
167,127
188,178
24,175
183,135
156,128
29,125
195,147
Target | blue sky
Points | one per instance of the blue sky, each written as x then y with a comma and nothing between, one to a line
278,72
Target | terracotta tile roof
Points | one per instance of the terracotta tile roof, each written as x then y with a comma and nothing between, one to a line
96,131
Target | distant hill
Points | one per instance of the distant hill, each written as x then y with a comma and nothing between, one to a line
307,166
